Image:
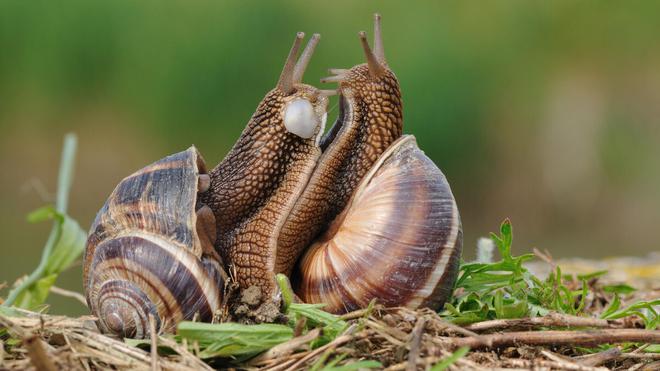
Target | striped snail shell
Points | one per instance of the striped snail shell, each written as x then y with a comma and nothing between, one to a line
149,251
398,240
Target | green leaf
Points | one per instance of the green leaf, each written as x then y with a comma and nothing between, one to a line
317,316
359,365
36,294
69,245
613,307
233,339
285,288
450,360
591,275
643,309
41,214
622,289
653,348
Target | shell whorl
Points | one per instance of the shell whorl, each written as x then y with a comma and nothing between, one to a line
398,240
144,255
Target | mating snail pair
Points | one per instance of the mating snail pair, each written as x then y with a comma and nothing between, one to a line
355,214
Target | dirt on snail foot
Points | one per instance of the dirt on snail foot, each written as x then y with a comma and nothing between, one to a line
249,307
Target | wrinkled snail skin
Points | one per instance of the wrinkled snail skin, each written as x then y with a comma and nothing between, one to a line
398,241
255,186
145,254
370,119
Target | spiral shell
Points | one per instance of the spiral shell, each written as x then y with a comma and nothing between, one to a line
144,255
398,240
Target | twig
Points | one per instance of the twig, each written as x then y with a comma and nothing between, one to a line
574,338
535,364
599,358
346,337
300,326
653,366
2,352
38,356
12,327
566,363
415,340
69,294
355,314
185,354
640,355
154,343
551,320
286,348
428,361
433,316
64,181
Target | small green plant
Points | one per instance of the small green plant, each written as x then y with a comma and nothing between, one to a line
65,243
506,289
241,342
233,339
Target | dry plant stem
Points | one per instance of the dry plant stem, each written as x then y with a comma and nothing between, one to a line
654,366
154,343
640,355
448,325
551,320
37,353
300,326
537,364
463,364
185,354
284,349
415,341
599,358
355,314
69,294
556,338
346,337
282,366
566,363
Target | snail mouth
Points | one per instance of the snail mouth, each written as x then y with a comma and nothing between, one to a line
330,136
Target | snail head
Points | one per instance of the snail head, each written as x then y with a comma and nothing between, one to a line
297,108
369,92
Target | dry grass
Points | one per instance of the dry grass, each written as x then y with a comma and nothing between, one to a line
399,339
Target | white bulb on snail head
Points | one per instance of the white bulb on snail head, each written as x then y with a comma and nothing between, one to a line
299,118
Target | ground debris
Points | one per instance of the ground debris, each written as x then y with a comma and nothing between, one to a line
398,338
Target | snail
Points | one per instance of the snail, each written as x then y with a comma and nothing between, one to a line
150,250
354,214
377,219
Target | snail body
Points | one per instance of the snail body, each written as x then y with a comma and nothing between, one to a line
255,186
148,252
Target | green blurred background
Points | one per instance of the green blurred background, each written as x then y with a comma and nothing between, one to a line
544,112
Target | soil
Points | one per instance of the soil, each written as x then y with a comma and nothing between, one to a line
250,307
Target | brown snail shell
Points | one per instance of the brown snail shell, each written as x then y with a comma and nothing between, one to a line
398,240
148,253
